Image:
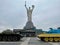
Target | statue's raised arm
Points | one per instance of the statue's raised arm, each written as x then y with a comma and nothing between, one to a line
25,5
33,7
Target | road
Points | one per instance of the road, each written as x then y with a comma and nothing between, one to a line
30,41
36,41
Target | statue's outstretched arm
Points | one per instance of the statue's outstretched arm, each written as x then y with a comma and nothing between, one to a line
25,5
32,7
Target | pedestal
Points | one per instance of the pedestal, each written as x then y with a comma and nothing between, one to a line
29,25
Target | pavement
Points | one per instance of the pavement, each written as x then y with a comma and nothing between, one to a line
30,41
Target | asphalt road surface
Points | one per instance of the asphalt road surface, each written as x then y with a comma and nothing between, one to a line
30,41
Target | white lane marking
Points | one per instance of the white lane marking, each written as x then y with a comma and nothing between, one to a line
38,39
52,43
25,42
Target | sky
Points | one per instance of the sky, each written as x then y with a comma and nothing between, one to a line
13,15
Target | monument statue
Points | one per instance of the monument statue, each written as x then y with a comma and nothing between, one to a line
29,12
29,24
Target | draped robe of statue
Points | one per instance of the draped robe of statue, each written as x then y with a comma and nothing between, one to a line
29,14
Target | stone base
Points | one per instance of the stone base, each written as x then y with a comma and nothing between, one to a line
29,25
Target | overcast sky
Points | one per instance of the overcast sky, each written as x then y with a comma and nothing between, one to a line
45,15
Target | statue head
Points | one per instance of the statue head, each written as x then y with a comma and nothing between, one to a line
29,7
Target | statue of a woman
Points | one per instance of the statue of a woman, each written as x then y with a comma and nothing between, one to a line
29,12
